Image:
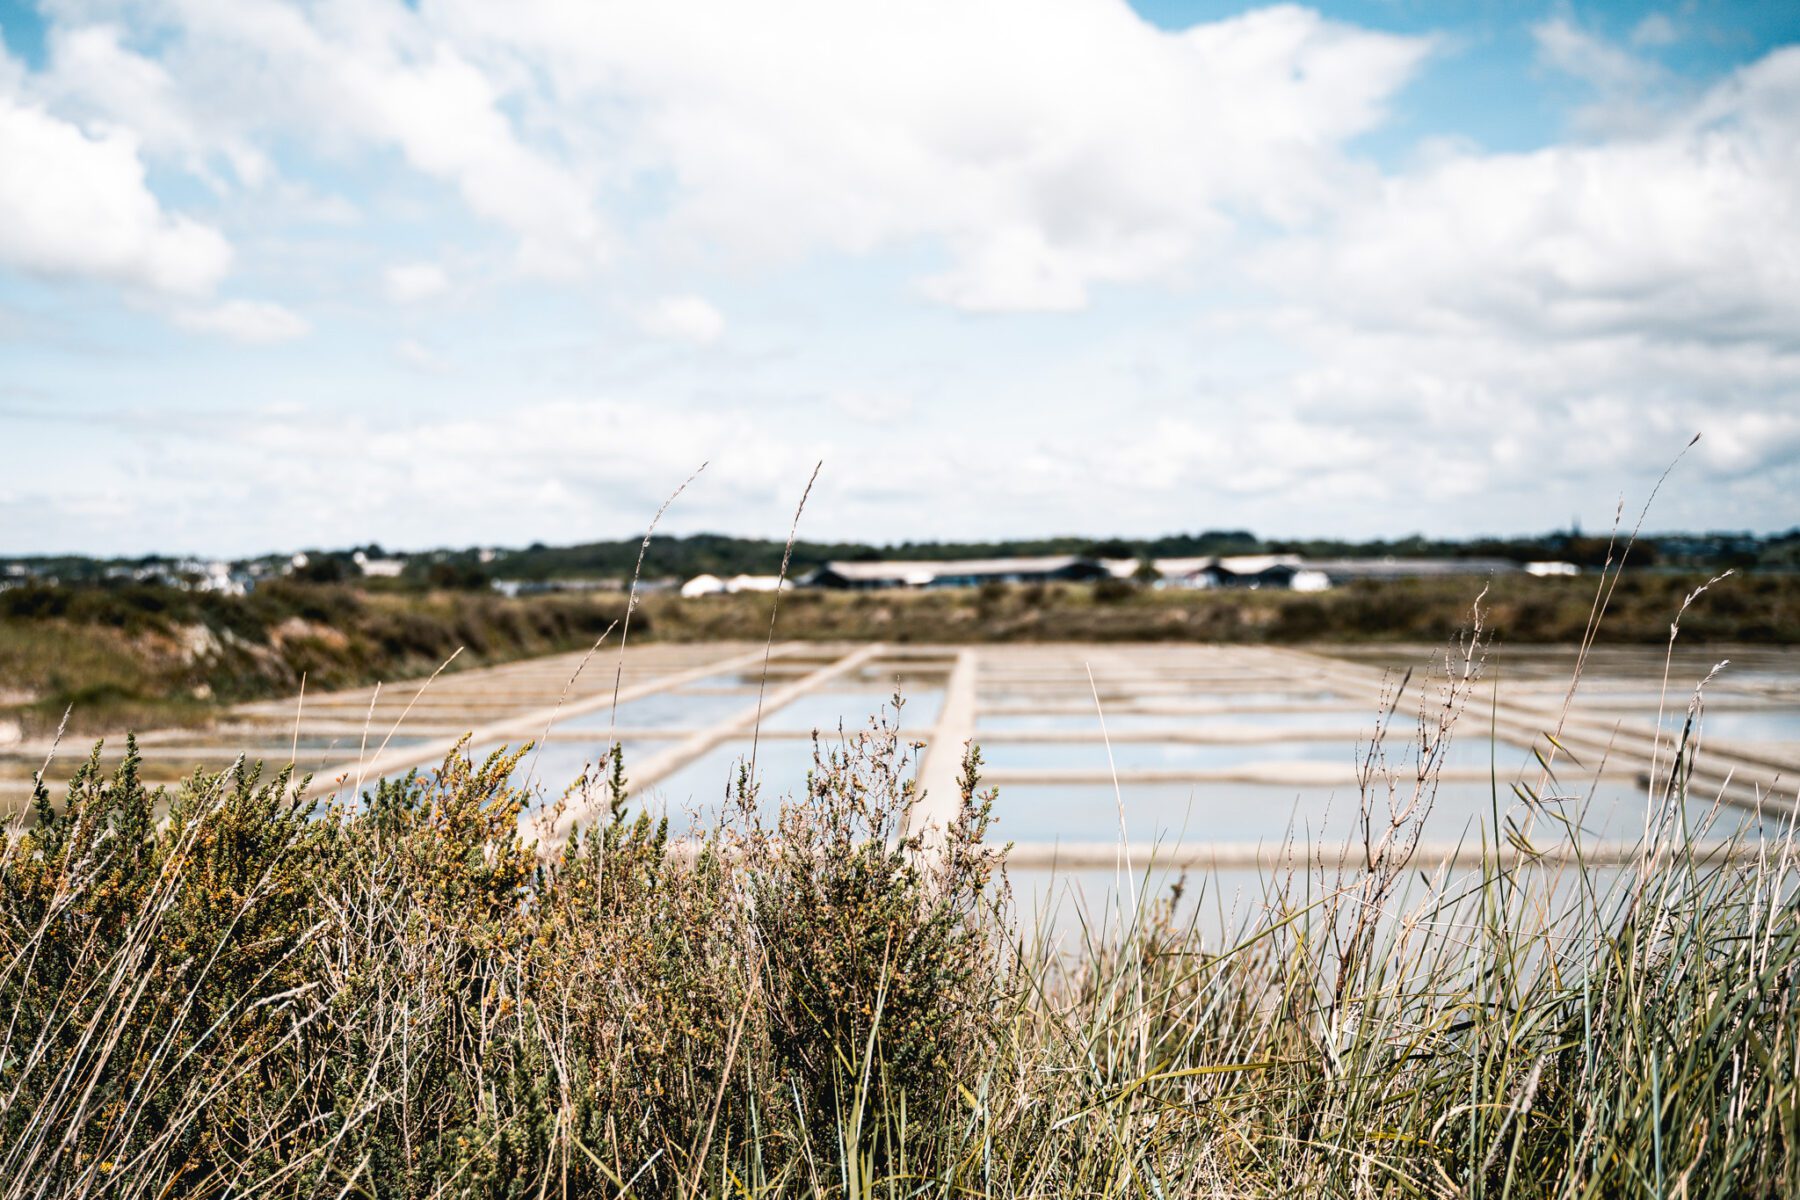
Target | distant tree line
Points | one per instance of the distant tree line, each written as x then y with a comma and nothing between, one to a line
675,557
718,554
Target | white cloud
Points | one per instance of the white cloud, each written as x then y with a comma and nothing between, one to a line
418,356
229,78
684,319
446,116
93,75
878,407
1569,48
556,465
1631,92
1655,30
75,205
409,283
1045,146
1690,232
1042,146
1527,328
254,322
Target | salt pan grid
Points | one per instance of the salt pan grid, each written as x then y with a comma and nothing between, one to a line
1209,756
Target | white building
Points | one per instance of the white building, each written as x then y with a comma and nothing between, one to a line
712,585
757,583
380,568
219,577
703,585
1241,570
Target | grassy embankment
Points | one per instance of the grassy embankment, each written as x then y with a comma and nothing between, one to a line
148,656
256,999
1522,609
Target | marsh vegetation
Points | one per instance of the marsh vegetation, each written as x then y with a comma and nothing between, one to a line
411,996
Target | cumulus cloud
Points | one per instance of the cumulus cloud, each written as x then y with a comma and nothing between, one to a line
409,283
1569,48
229,78
446,117
1520,325
76,205
879,406
1631,92
1684,233
1655,29
683,319
1096,149
253,322
553,464
418,356
1045,146
93,75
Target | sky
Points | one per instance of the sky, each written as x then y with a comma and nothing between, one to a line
278,274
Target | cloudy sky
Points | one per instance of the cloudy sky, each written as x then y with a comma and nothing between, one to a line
276,274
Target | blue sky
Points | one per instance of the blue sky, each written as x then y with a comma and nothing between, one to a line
277,274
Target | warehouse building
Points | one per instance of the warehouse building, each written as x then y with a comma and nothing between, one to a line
972,572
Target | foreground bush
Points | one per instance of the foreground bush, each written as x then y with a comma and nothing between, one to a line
403,998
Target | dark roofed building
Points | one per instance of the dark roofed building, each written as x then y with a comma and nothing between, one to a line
873,576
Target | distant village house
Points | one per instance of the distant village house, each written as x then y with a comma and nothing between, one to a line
1288,572
380,568
712,585
877,576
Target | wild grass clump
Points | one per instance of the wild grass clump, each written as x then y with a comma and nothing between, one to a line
257,994
229,990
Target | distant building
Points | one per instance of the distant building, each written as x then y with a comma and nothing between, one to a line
1240,571
1299,574
712,585
1349,570
1181,572
544,587
1253,571
872,576
756,583
380,568
219,577
1273,571
1546,569
876,576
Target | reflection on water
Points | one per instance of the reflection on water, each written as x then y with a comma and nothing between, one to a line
1111,697
677,709
1270,814
1091,755
826,711
1761,725
1336,717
